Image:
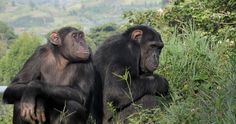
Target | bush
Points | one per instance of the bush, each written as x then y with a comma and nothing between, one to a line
211,17
18,53
197,69
6,114
100,33
6,33
3,48
199,61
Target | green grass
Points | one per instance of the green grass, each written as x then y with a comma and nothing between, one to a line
5,112
202,83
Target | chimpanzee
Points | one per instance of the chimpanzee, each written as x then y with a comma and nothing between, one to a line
56,84
135,52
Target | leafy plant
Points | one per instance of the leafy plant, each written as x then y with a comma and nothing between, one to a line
99,34
197,69
212,18
18,53
6,33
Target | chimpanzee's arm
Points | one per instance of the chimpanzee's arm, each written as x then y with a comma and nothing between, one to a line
13,93
64,93
52,92
79,91
138,87
30,71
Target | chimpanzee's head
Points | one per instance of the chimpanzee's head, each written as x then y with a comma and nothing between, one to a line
150,43
71,44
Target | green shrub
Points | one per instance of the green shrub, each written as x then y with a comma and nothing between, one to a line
197,68
211,17
3,48
99,34
5,112
6,33
18,53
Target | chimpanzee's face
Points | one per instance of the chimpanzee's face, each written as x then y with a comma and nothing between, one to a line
74,46
71,44
151,45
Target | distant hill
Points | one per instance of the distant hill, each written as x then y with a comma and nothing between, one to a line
41,16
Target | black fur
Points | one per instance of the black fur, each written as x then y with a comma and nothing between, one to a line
118,54
41,81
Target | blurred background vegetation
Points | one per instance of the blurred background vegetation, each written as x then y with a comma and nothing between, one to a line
199,57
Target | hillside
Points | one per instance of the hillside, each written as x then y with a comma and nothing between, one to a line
42,15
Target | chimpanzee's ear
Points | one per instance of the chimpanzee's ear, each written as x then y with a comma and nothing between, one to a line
137,35
55,39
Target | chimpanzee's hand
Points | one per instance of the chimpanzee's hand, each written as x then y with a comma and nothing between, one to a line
162,86
27,103
40,115
27,111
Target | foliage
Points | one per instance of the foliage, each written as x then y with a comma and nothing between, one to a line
6,33
3,48
229,92
100,33
18,52
197,60
212,17
5,113
151,18
6,36
198,72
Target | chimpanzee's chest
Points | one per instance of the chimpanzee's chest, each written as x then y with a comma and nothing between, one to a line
59,76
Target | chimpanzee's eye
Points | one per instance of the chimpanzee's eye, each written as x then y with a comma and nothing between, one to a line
81,35
74,35
160,45
153,46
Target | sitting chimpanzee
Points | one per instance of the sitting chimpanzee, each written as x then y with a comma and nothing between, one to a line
56,84
137,52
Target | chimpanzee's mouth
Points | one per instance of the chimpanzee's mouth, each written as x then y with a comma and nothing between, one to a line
153,67
84,52
83,55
